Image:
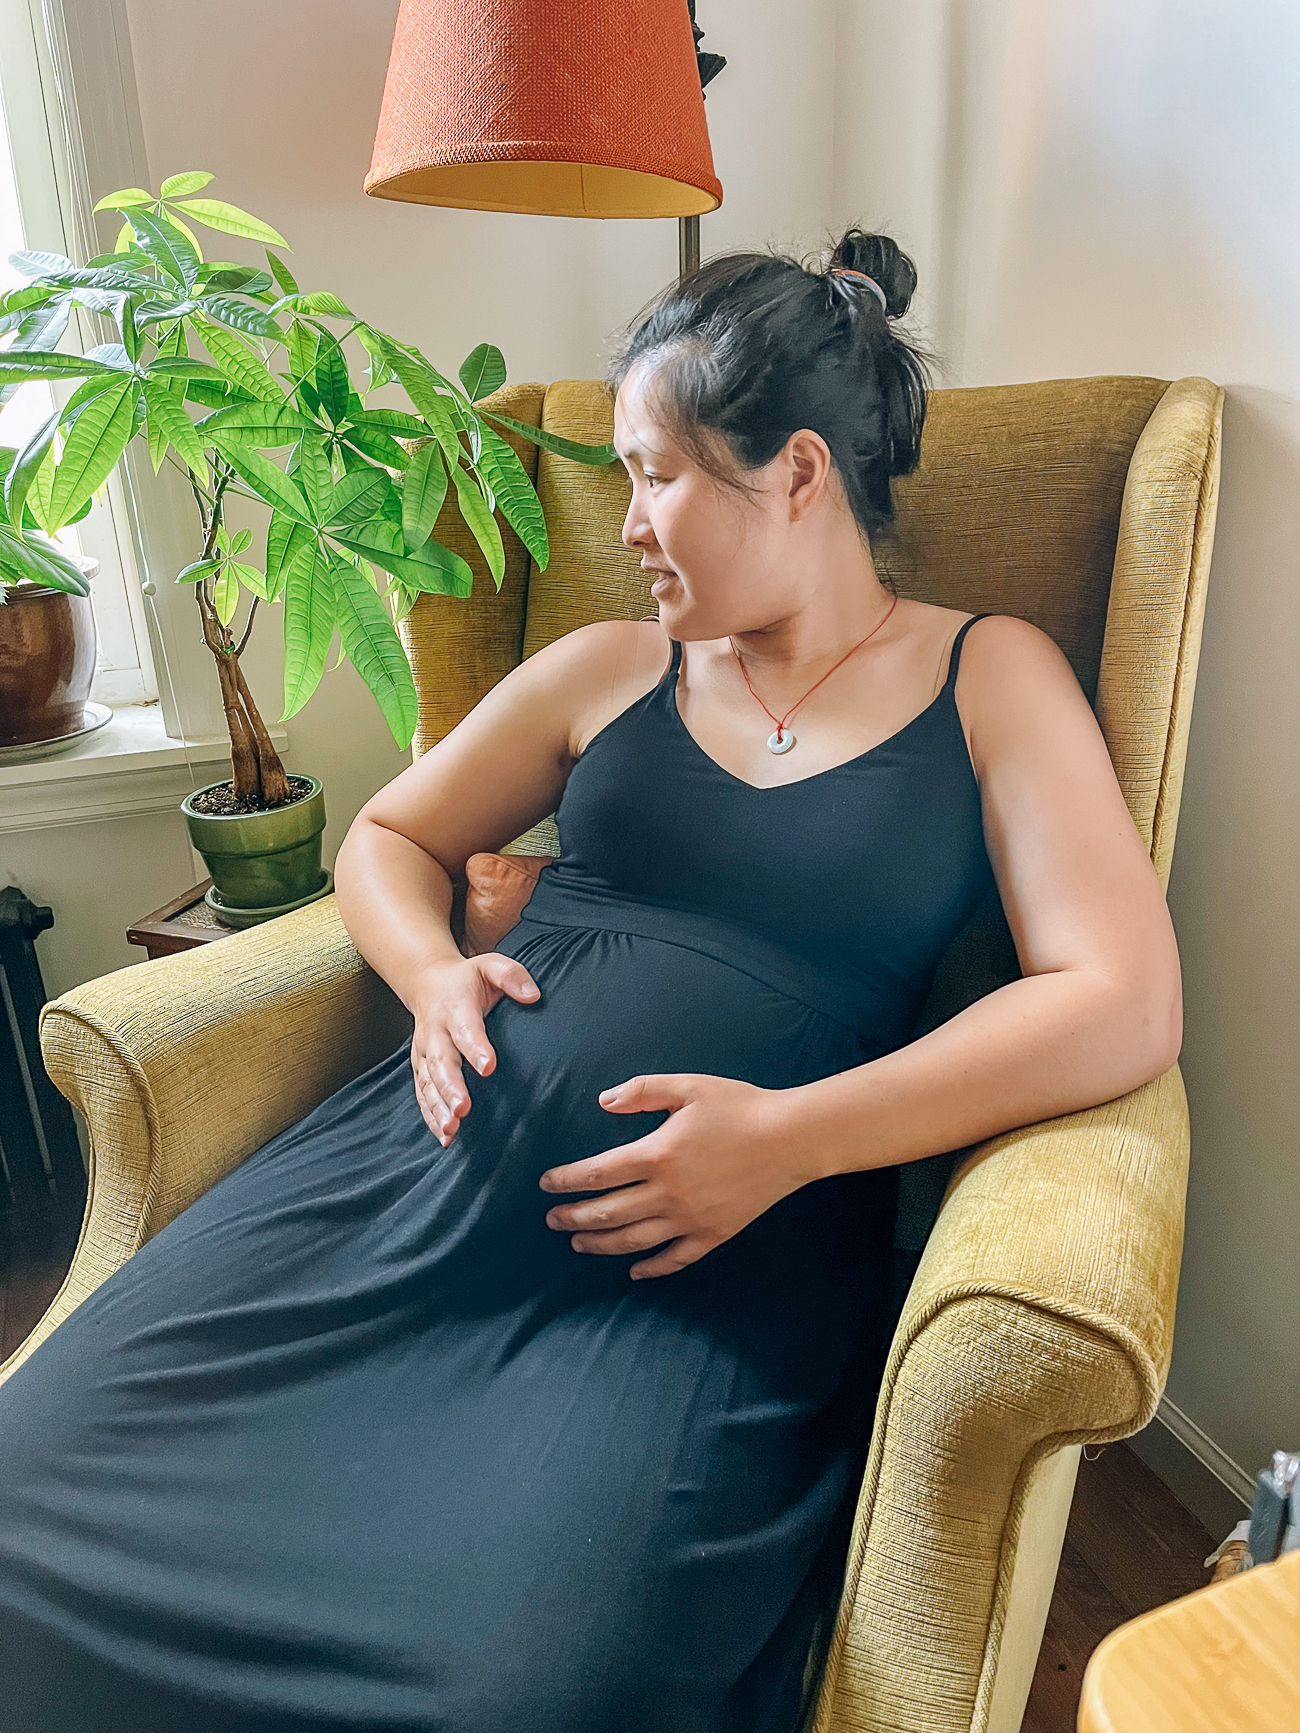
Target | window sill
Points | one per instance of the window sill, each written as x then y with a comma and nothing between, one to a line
130,767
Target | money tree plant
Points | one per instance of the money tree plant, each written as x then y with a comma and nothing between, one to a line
352,501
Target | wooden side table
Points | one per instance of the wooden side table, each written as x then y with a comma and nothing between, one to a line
1223,1660
179,925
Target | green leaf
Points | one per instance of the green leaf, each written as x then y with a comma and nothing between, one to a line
595,455
29,263
321,302
261,425
197,571
50,364
230,220
240,316
432,567
476,513
308,625
188,232
155,312
183,367
225,594
358,497
285,539
267,481
390,421
92,447
419,383
424,487
239,361
18,300
24,465
252,580
483,371
314,475
332,381
38,500
166,246
39,560
370,641
302,343
376,348
242,539
515,495
378,446
124,200
169,424
214,394
44,325
175,186
112,355
244,278
282,274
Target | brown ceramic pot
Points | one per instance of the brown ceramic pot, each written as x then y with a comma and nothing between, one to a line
47,662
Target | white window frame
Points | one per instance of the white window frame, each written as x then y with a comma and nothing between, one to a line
87,51
43,139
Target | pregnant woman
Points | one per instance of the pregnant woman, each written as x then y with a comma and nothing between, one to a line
531,1393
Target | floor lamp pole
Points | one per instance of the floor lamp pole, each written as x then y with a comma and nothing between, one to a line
688,246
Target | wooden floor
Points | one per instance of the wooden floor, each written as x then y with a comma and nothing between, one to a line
1130,1545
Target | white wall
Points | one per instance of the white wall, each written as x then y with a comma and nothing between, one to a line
1115,187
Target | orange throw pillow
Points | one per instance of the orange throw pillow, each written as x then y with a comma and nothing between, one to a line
498,886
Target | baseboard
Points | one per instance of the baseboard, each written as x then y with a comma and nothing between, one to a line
1203,1478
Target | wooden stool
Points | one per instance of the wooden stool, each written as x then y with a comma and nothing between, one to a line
179,925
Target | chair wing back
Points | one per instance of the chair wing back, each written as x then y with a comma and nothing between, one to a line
1084,505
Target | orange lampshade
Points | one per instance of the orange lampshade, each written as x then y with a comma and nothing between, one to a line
573,108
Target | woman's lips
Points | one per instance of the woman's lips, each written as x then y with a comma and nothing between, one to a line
661,583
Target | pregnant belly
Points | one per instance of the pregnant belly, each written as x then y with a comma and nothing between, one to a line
614,1005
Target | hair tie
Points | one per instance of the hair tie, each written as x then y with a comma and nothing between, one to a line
872,284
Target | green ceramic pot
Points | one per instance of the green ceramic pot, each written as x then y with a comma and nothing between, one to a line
262,860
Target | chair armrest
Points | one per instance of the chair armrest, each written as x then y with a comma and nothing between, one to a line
184,1066
1041,1317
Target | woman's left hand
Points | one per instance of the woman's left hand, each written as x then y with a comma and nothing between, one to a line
723,1156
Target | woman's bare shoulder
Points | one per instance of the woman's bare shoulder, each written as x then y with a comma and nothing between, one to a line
1018,696
603,667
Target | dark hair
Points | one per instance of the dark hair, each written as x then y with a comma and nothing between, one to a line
753,346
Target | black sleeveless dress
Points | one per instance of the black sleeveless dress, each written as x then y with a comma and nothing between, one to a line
359,1444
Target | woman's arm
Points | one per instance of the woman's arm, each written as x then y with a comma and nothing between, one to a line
1097,1014
498,772
1099,1010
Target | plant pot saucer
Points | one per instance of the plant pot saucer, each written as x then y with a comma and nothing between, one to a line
96,717
230,916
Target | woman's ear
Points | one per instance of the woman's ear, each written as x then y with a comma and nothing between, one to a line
808,461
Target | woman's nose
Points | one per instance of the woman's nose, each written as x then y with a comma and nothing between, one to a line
636,527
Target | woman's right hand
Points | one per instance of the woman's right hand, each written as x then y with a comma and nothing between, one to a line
451,1003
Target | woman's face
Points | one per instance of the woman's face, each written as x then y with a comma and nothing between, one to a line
717,554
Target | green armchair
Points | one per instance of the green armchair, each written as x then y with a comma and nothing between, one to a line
1041,1316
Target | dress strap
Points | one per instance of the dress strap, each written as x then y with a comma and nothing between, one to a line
674,665
954,657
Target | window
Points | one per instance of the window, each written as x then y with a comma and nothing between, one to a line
45,206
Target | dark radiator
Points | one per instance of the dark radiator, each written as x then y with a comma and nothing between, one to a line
42,1179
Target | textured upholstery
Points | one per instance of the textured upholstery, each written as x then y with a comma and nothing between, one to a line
1042,1313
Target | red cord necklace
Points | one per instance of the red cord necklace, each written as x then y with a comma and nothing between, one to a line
781,741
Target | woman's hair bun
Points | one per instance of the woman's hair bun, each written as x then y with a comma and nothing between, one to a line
884,261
